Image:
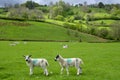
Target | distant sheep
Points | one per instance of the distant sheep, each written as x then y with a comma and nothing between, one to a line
12,44
66,62
40,62
24,42
16,42
65,46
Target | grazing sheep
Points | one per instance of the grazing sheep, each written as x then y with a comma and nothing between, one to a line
66,62
12,44
65,46
40,62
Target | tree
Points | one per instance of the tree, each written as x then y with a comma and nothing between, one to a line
59,17
21,12
115,12
16,6
36,14
101,5
85,7
31,4
60,8
6,7
103,33
25,13
116,30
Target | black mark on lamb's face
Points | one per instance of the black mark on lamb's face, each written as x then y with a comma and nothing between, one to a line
27,58
57,57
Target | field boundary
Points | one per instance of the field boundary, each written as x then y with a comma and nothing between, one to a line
35,40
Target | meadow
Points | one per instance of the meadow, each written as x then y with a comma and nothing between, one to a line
41,31
101,60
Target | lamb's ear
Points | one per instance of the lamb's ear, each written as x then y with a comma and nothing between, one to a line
30,55
57,56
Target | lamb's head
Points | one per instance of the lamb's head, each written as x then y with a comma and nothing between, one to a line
27,58
57,57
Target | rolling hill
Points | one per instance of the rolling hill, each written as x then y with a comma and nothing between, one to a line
41,31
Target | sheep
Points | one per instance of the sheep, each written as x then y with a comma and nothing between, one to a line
40,62
67,62
65,46
12,44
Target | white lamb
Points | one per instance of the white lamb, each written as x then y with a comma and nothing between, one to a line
40,62
67,62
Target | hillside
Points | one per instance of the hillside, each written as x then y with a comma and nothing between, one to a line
100,20
41,31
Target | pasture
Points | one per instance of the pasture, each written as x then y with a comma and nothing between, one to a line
30,30
101,60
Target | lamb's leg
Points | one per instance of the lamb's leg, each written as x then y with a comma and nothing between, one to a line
31,70
46,71
62,70
80,70
67,70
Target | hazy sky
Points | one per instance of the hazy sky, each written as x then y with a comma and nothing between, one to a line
2,2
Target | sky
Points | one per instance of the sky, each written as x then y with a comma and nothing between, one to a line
3,2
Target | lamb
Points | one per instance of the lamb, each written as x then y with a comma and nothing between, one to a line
67,62
40,62
65,46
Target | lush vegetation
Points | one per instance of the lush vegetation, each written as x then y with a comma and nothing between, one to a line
98,20
41,31
101,60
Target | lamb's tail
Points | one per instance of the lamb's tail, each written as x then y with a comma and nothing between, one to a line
81,61
78,62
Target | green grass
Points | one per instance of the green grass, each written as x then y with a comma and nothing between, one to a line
101,60
29,30
106,22
2,13
34,31
102,15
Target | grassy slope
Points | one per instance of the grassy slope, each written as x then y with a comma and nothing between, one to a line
39,31
35,31
101,60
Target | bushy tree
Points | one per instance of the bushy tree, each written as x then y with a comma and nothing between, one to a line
31,4
21,12
59,17
35,14
60,8
56,10
101,5
103,33
115,12
25,13
116,30
70,19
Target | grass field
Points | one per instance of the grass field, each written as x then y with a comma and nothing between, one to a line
101,60
30,30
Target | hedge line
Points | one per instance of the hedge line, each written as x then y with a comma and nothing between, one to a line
109,18
21,19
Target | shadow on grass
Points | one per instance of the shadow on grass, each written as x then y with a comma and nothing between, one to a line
2,68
